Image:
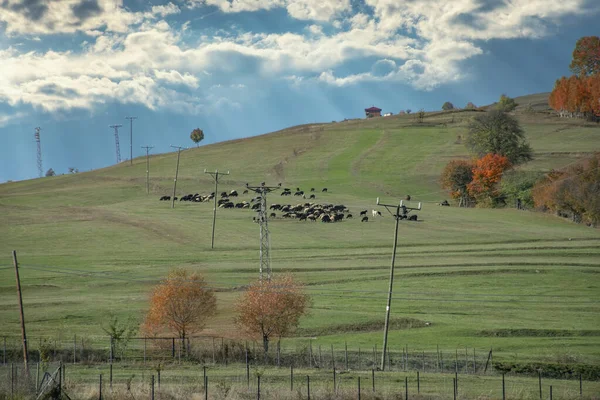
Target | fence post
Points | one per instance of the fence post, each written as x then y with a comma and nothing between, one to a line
37,378
12,380
454,387
100,389
291,377
346,354
258,388
504,389
247,369
60,366
4,354
206,388
550,392
540,382
152,387
406,387
334,382
580,387
418,383
308,385
359,388
110,376
332,357
373,378
110,352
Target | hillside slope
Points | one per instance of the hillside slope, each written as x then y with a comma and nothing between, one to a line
93,243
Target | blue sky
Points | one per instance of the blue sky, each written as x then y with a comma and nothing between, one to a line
237,68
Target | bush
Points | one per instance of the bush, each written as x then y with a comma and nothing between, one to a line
518,185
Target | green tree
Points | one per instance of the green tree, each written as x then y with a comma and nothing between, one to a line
586,56
121,333
447,106
50,172
420,116
455,178
498,133
197,136
506,103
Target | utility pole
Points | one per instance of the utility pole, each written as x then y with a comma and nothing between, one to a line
39,151
147,168
130,139
265,241
118,148
401,212
215,176
176,174
24,336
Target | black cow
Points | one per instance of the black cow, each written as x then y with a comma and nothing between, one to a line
272,215
349,216
233,193
413,217
365,219
312,189
245,191
312,196
364,212
324,190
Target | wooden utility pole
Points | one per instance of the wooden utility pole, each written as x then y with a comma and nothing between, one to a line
147,167
176,174
23,335
398,216
215,176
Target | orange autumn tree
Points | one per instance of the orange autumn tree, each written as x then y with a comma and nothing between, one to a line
487,173
271,308
180,304
455,178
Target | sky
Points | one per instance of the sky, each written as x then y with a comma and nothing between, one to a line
238,68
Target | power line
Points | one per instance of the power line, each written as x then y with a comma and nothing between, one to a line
148,148
339,296
117,146
265,240
39,151
215,176
131,138
176,173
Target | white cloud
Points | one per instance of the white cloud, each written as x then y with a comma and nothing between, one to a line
152,65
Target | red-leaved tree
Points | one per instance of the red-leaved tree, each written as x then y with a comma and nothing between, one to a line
455,178
586,56
487,173
180,304
271,308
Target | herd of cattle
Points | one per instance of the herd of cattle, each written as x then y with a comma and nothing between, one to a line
307,211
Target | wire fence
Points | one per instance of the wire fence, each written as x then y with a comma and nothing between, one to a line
307,353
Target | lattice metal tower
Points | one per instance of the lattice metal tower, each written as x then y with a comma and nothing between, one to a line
265,240
39,152
116,128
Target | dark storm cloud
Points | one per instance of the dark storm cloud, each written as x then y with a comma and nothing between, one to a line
32,9
86,9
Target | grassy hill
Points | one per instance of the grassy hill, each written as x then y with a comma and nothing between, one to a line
94,243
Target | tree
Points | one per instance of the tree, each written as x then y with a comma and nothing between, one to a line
121,333
573,192
50,172
408,110
586,56
271,308
455,178
506,104
180,304
487,173
498,133
197,136
470,106
420,116
447,106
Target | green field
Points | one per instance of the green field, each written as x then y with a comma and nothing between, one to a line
525,283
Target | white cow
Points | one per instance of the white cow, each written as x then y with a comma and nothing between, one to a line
376,213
